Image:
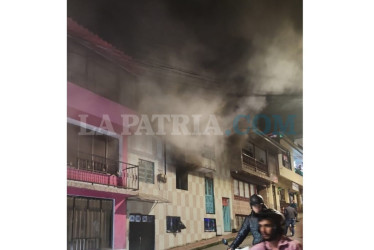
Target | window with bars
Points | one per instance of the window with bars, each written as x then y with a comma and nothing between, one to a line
92,150
146,171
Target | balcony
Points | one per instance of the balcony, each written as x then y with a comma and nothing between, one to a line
253,164
100,170
291,175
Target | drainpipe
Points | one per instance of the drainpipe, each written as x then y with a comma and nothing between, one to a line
164,156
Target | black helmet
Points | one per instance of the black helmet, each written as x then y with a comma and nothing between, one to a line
276,218
256,199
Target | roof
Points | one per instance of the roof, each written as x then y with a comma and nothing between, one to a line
94,42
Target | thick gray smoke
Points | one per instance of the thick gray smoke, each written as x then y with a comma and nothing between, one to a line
204,57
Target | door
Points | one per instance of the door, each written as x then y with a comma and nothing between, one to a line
142,232
89,223
226,214
274,198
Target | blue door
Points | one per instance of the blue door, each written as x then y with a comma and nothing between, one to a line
226,214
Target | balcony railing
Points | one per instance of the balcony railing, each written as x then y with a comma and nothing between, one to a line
97,169
254,164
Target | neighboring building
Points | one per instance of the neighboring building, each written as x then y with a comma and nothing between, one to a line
290,185
254,170
99,178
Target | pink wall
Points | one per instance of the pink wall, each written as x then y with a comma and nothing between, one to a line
119,211
81,101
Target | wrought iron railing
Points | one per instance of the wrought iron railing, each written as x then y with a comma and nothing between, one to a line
101,170
254,164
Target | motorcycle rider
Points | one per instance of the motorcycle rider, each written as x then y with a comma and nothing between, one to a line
250,223
271,227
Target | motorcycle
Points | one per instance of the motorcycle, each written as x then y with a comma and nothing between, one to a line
225,242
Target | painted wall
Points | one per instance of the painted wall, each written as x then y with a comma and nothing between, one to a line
188,204
119,220
91,107
84,102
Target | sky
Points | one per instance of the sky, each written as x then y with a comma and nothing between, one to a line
250,51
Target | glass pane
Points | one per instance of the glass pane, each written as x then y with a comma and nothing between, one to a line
113,148
249,149
146,171
253,190
85,144
241,188
246,189
260,155
236,187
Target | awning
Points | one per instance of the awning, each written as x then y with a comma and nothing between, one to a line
148,198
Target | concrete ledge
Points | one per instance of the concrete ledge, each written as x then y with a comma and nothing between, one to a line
100,187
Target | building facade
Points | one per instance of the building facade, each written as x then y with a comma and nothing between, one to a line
99,177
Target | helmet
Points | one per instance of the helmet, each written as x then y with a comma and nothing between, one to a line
256,199
277,219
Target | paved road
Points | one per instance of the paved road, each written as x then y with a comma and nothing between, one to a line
248,241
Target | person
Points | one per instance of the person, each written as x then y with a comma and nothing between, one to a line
294,205
250,223
271,226
290,214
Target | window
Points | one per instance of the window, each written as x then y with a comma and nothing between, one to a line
253,189
239,220
92,151
209,196
249,149
146,171
260,155
209,225
243,189
174,224
246,190
182,178
236,187
255,158
286,161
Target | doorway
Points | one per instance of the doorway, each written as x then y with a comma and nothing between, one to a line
226,214
142,232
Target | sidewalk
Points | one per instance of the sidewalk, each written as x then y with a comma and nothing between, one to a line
215,243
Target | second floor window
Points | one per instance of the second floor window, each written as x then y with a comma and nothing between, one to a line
92,151
260,155
286,161
181,176
146,171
